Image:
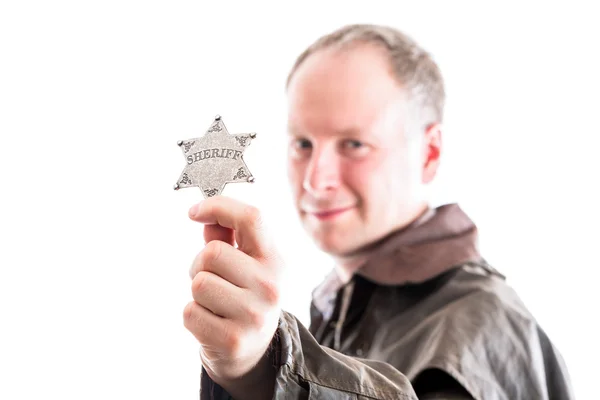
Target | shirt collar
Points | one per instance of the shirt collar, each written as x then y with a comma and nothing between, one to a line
440,239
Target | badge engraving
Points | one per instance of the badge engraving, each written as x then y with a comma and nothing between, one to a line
214,160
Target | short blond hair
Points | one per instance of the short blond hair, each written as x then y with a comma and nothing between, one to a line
412,66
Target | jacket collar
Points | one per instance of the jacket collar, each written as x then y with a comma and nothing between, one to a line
441,239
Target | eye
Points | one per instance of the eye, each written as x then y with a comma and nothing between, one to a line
353,144
299,147
355,148
302,144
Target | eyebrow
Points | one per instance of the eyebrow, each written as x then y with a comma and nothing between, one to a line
352,132
347,132
290,130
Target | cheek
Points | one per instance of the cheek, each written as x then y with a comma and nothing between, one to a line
377,181
362,178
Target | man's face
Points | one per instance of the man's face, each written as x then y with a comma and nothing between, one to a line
354,173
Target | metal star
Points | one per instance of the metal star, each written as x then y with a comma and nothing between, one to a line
214,160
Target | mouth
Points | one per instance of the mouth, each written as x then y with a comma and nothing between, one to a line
330,214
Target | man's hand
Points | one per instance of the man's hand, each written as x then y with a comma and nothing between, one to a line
236,309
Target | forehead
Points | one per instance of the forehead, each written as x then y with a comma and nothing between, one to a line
342,90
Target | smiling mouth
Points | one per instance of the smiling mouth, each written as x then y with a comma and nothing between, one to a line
329,214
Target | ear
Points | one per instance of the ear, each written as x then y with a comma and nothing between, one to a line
432,148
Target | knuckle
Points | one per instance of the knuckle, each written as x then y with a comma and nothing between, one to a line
188,313
256,317
211,252
199,282
270,291
252,215
232,339
194,322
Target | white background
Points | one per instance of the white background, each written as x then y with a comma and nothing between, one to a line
96,246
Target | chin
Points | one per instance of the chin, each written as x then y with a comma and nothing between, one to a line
329,242
334,237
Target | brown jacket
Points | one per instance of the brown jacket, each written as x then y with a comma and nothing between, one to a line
447,327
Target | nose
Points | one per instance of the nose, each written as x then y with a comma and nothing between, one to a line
323,172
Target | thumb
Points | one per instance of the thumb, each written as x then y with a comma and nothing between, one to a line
218,232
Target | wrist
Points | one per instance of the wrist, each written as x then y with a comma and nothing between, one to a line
259,381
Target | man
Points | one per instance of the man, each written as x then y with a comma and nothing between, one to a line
412,310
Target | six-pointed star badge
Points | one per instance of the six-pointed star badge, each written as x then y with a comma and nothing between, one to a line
214,160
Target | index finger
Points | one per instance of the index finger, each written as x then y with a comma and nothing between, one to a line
245,220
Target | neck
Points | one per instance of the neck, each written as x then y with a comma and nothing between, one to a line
346,265
436,241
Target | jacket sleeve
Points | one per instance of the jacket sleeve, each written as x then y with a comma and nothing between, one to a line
446,395
307,370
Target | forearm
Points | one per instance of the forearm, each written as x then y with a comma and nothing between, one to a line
304,367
